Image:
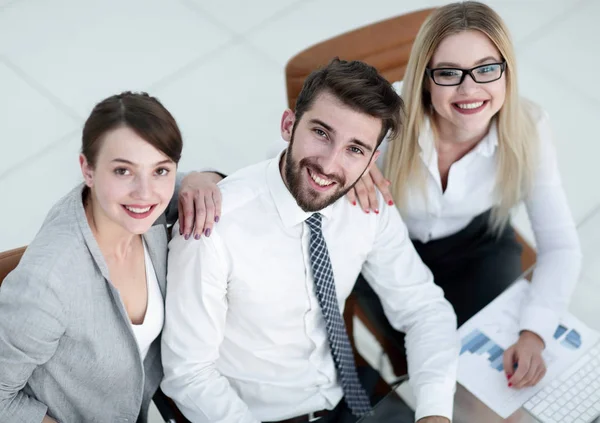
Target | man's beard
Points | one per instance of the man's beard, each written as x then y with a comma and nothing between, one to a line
309,199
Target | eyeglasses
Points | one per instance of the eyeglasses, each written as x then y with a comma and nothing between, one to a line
483,74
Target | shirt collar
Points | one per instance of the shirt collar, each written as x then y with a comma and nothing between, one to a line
289,212
486,147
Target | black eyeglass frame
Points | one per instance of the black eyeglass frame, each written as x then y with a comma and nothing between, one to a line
429,72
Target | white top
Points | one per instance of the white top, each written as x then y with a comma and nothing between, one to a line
245,340
154,319
470,192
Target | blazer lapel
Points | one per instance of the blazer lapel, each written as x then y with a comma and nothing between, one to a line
86,232
156,240
155,237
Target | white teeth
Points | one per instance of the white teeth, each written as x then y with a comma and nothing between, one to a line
135,210
470,105
320,181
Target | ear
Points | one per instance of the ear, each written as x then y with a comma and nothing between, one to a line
86,171
287,124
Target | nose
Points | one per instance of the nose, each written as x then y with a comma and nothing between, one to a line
141,189
330,161
468,85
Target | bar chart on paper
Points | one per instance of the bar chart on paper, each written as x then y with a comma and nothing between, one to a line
478,343
572,339
485,338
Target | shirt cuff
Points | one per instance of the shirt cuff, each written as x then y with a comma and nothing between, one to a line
435,399
540,320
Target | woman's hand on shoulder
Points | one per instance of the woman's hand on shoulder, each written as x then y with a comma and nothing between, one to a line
364,193
199,204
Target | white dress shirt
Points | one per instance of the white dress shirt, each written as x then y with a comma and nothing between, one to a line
146,332
245,340
471,191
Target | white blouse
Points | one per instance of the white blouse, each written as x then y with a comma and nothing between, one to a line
154,319
470,191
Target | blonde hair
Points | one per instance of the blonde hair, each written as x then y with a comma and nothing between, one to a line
517,134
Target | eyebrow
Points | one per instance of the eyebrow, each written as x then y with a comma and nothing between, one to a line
330,129
119,160
363,145
323,124
456,65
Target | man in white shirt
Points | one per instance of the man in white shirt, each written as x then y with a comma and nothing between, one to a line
253,313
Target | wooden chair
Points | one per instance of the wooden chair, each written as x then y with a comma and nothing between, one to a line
386,45
167,409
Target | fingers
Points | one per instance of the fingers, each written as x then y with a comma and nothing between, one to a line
364,192
199,215
371,192
522,374
199,207
351,196
382,184
216,196
536,372
508,360
527,380
210,204
209,217
362,195
208,210
367,194
180,214
186,213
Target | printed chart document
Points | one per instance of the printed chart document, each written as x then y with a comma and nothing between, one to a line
486,336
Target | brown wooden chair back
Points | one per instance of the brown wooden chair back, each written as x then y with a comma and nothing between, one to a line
9,260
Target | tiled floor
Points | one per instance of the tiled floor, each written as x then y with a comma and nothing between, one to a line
219,67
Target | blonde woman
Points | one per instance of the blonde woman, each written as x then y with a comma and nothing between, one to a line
472,149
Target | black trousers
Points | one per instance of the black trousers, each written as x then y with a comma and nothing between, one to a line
472,266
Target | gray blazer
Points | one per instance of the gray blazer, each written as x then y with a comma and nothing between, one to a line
66,345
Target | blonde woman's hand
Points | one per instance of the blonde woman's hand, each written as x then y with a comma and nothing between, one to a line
526,354
199,204
365,193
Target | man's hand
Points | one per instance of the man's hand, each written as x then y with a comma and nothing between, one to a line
199,204
434,419
526,357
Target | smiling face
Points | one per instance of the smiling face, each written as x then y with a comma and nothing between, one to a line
468,107
131,183
330,148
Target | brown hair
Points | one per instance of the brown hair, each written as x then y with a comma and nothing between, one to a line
142,113
357,85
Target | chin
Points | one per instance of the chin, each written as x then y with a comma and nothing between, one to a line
139,230
137,227
475,124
